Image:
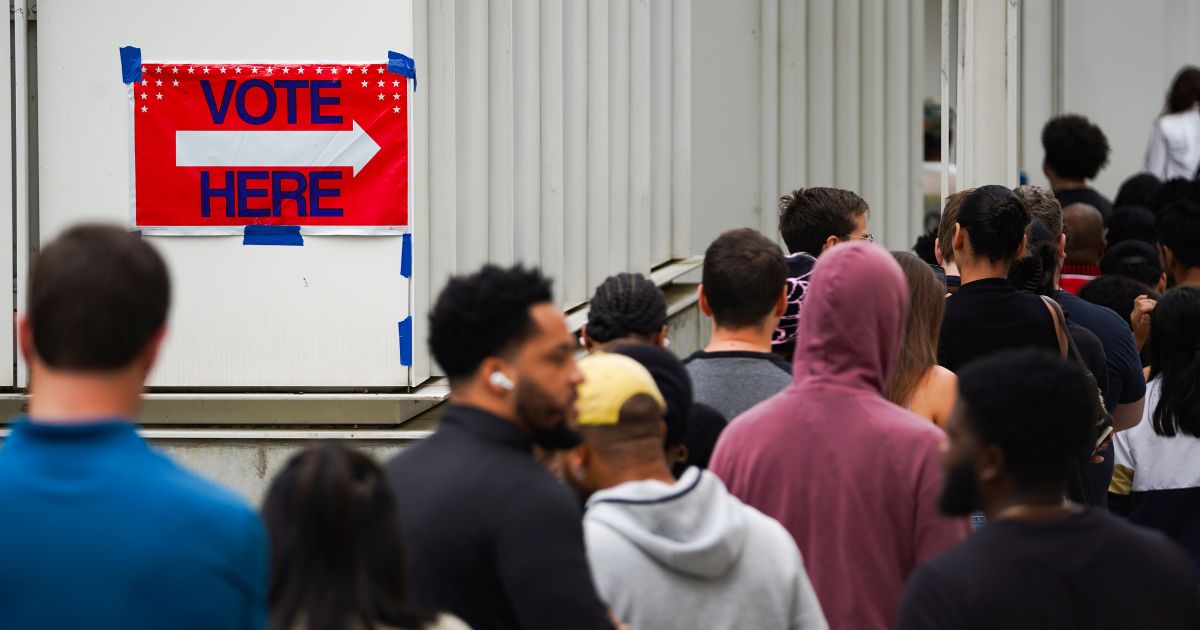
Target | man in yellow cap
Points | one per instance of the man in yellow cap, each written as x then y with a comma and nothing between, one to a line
669,553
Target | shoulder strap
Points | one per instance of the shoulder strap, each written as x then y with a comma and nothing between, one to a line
1060,328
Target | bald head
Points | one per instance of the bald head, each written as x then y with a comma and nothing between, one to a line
1085,233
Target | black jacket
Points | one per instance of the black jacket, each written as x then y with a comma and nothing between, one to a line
491,535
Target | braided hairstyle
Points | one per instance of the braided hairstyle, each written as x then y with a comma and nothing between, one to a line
626,304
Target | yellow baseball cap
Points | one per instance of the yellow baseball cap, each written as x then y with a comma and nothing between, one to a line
609,381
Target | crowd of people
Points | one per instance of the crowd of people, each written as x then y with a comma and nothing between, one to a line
1001,430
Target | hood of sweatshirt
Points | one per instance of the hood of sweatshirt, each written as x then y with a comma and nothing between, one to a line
853,318
693,526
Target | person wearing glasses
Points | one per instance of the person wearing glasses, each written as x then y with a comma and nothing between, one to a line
812,220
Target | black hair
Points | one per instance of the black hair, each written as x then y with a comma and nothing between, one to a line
924,247
1178,227
1075,148
744,274
97,296
1184,92
337,558
484,314
1037,408
1174,354
1137,190
1115,293
1171,191
809,216
626,304
1131,223
1034,271
1135,260
995,220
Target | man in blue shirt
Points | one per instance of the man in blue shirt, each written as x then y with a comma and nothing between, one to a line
99,530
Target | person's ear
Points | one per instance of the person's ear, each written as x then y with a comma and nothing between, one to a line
959,243
149,356
937,252
1167,256
704,307
25,338
660,337
829,242
588,344
1022,245
1062,247
782,303
1047,171
990,464
494,378
1162,283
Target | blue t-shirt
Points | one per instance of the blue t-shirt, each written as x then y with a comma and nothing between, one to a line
100,531
1126,382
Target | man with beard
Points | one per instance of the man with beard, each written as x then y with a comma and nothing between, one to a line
492,536
1022,418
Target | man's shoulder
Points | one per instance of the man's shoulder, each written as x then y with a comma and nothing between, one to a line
198,493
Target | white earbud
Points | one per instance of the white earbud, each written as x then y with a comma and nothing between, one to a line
501,380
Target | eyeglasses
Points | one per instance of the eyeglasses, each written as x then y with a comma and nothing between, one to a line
870,238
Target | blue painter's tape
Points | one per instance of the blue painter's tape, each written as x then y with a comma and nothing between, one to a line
402,65
406,256
272,235
131,64
406,341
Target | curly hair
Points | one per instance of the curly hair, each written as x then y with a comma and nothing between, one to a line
1075,148
624,304
809,216
1037,408
484,314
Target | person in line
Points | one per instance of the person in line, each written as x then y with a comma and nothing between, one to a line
103,531
743,290
493,537
1022,418
988,314
1178,228
944,244
853,477
1135,260
918,383
1075,151
1121,295
1158,461
337,559
626,306
674,554
1131,223
692,428
812,220
1174,146
1171,191
1035,273
1084,228
1137,190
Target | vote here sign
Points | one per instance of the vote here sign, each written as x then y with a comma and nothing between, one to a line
315,144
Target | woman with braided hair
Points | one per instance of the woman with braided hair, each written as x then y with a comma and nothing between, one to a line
626,306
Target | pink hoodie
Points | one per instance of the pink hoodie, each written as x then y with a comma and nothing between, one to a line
854,478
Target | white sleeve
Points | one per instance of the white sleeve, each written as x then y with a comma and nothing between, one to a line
806,610
1156,153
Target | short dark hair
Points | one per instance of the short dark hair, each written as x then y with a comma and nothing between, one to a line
1115,293
945,233
1075,148
97,296
1178,227
484,314
336,544
1137,190
995,220
744,273
624,304
1131,223
924,247
1173,351
809,216
1037,408
1043,207
1171,191
1136,260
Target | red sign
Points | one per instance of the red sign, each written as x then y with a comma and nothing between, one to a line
270,144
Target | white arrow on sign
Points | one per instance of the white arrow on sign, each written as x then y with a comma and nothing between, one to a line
353,148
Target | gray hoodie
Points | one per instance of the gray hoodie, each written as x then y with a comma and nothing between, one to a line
691,555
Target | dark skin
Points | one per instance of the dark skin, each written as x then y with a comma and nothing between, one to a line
999,495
